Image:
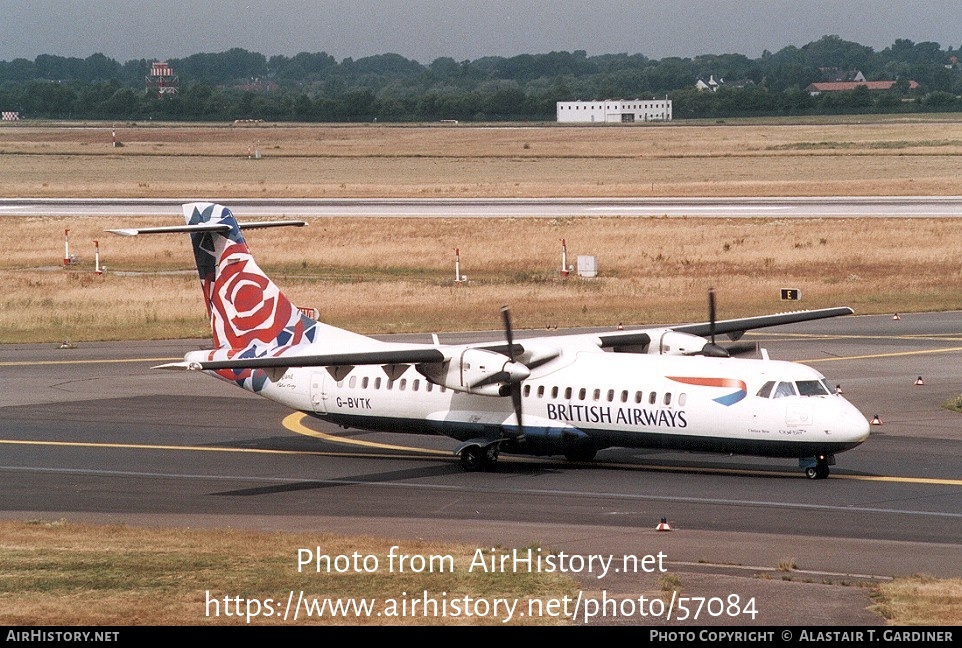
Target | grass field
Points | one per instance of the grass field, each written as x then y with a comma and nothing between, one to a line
383,276
867,156
63,574
396,275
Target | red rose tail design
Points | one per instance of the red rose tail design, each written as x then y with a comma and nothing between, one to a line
249,314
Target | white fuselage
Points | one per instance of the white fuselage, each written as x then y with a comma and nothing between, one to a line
600,399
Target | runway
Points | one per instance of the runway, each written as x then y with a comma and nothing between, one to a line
803,207
92,433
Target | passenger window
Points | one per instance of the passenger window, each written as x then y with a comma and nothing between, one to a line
567,393
596,395
404,383
352,383
784,389
624,396
428,386
377,383
766,390
526,391
554,392
611,395
668,398
540,391
638,397
582,393
416,385
681,399
652,398
364,382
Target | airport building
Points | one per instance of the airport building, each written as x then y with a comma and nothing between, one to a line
614,111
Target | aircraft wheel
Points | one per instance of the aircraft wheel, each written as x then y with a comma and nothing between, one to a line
811,472
821,471
472,459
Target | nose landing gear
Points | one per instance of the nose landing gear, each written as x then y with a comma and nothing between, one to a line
817,467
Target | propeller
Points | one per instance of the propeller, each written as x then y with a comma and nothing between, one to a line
514,386
713,350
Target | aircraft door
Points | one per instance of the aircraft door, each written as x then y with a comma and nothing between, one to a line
320,386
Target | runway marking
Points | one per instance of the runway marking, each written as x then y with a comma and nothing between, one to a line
542,492
293,422
894,354
147,446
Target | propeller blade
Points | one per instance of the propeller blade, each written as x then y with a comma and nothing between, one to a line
514,386
711,315
516,402
496,377
508,333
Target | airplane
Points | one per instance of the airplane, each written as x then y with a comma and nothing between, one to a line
672,388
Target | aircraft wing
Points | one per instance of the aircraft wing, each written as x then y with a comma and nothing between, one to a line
394,356
735,328
638,340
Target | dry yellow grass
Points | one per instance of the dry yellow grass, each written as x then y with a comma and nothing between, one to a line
921,600
396,275
889,156
58,573
66,574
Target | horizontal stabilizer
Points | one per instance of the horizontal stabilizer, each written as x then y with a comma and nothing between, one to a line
177,366
204,227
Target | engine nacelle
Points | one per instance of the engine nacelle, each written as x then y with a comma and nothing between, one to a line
676,343
476,371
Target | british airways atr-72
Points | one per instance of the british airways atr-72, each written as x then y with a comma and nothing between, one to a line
571,395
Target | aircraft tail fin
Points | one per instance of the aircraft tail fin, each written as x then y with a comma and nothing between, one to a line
248,312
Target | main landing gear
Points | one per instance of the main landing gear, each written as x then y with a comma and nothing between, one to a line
475,458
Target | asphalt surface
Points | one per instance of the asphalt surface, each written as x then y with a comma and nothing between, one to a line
91,433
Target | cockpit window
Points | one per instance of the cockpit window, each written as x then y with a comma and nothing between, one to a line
828,386
784,389
766,390
811,388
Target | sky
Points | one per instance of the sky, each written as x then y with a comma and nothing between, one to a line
424,30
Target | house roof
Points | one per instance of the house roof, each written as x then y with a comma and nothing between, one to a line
838,86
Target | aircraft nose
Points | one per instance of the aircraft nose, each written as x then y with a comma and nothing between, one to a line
851,424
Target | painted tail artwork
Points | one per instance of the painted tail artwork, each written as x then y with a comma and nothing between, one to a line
249,316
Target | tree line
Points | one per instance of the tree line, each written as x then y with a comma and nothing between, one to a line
238,84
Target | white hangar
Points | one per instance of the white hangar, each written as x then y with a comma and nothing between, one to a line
614,111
